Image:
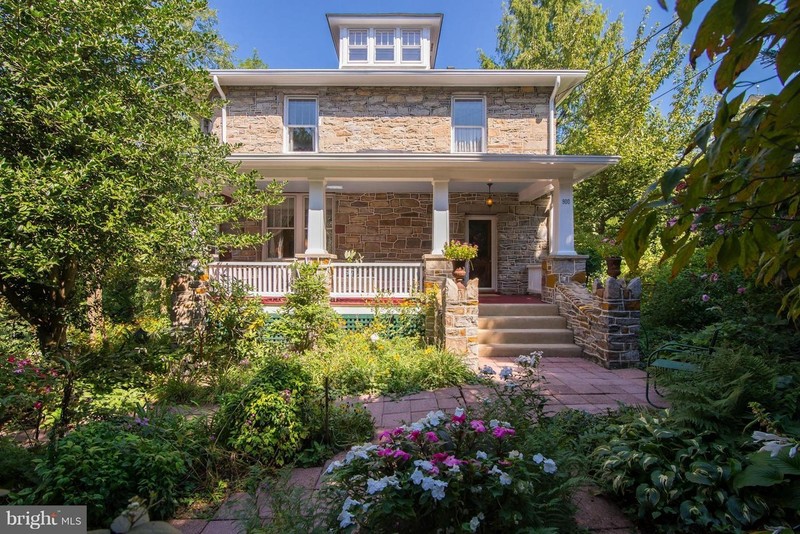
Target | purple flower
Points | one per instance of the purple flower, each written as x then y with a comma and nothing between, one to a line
478,426
705,298
741,290
672,222
402,455
432,437
501,432
720,228
714,277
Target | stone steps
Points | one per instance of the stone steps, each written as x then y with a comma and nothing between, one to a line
511,330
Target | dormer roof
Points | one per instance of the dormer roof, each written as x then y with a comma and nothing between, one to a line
430,22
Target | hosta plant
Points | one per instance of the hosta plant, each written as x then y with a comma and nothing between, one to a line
446,473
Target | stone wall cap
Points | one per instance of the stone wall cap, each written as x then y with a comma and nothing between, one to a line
567,257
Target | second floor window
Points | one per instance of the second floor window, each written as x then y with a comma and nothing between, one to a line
469,125
357,41
412,45
301,124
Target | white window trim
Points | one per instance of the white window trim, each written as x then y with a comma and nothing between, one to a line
424,47
300,230
368,47
484,127
286,126
400,46
374,42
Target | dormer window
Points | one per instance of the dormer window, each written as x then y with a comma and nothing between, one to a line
412,45
384,45
357,45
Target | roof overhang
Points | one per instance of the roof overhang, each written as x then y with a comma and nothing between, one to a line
431,20
511,172
401,78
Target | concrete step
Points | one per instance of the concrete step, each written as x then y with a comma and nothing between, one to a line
540,335
528,310
522,321
552,350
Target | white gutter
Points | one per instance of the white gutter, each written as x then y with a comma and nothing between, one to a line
551,120
224,110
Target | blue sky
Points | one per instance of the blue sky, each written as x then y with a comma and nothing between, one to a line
295,35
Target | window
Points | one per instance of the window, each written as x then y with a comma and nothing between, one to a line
412,45
301,124
358,41
384,45
280,222
469,124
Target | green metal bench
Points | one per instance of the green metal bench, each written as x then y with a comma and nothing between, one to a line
664,358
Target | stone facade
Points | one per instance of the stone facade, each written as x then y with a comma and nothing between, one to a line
561,270
521,233
370,119
383,226
606,322
454,318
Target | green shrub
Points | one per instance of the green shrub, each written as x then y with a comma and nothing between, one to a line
17,465
103,464
267,419
307,317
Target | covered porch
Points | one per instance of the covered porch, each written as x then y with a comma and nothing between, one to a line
396,212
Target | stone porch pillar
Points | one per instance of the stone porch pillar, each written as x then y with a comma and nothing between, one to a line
441,215
316,218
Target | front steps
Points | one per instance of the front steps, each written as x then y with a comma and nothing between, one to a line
509,330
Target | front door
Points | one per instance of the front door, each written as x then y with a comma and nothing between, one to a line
481,231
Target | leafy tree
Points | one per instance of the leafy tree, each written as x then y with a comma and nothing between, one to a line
102,161
612,112
736,188
252,62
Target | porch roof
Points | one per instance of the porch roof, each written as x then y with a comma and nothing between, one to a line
411,172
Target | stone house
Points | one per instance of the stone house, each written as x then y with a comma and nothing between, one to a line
391,157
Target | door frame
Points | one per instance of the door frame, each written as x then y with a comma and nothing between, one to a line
493,222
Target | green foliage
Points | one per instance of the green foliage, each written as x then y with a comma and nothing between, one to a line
735,190
17,465
443,473
252,62
356,364
307,317
612,112
102,163
268,418
679,480
348,425
102,465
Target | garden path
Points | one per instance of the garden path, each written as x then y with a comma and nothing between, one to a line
568,383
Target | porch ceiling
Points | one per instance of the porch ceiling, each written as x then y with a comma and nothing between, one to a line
370,172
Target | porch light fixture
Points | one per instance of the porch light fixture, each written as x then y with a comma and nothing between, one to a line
490,200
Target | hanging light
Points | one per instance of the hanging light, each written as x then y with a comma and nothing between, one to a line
489,199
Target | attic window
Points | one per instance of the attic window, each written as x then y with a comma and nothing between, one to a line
412,45
384,45
358,41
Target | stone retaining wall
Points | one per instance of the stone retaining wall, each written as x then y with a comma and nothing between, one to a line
605,323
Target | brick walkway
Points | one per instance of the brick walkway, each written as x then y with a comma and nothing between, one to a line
568,383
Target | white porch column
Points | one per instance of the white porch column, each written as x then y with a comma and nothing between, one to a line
441,215
316,217
562,220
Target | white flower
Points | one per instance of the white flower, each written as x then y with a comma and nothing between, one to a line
773,443
334,465
435,418
505,479
480,455
374,338
538,458
425,464
349,503
417,476
495,470
474,523
549,466
506,372
359,451
516,455
793,452
436,487
377,486
459,412
454,469
417,426
488,370
345,519
494,423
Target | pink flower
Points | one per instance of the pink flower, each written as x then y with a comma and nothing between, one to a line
386,451
714,277
414,435
11,359
501,432
681,186
705,298
402,455
386,435
741,290
397,431
440,457
37,405
478,426
432,437
452,461
458,419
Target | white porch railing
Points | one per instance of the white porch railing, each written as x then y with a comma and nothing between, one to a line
348,280
361,280
265,279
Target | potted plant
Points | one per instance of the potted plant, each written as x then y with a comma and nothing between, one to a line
611,251
460,253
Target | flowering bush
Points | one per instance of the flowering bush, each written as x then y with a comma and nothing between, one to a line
456,250
445,472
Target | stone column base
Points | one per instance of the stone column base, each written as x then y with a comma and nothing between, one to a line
561,270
